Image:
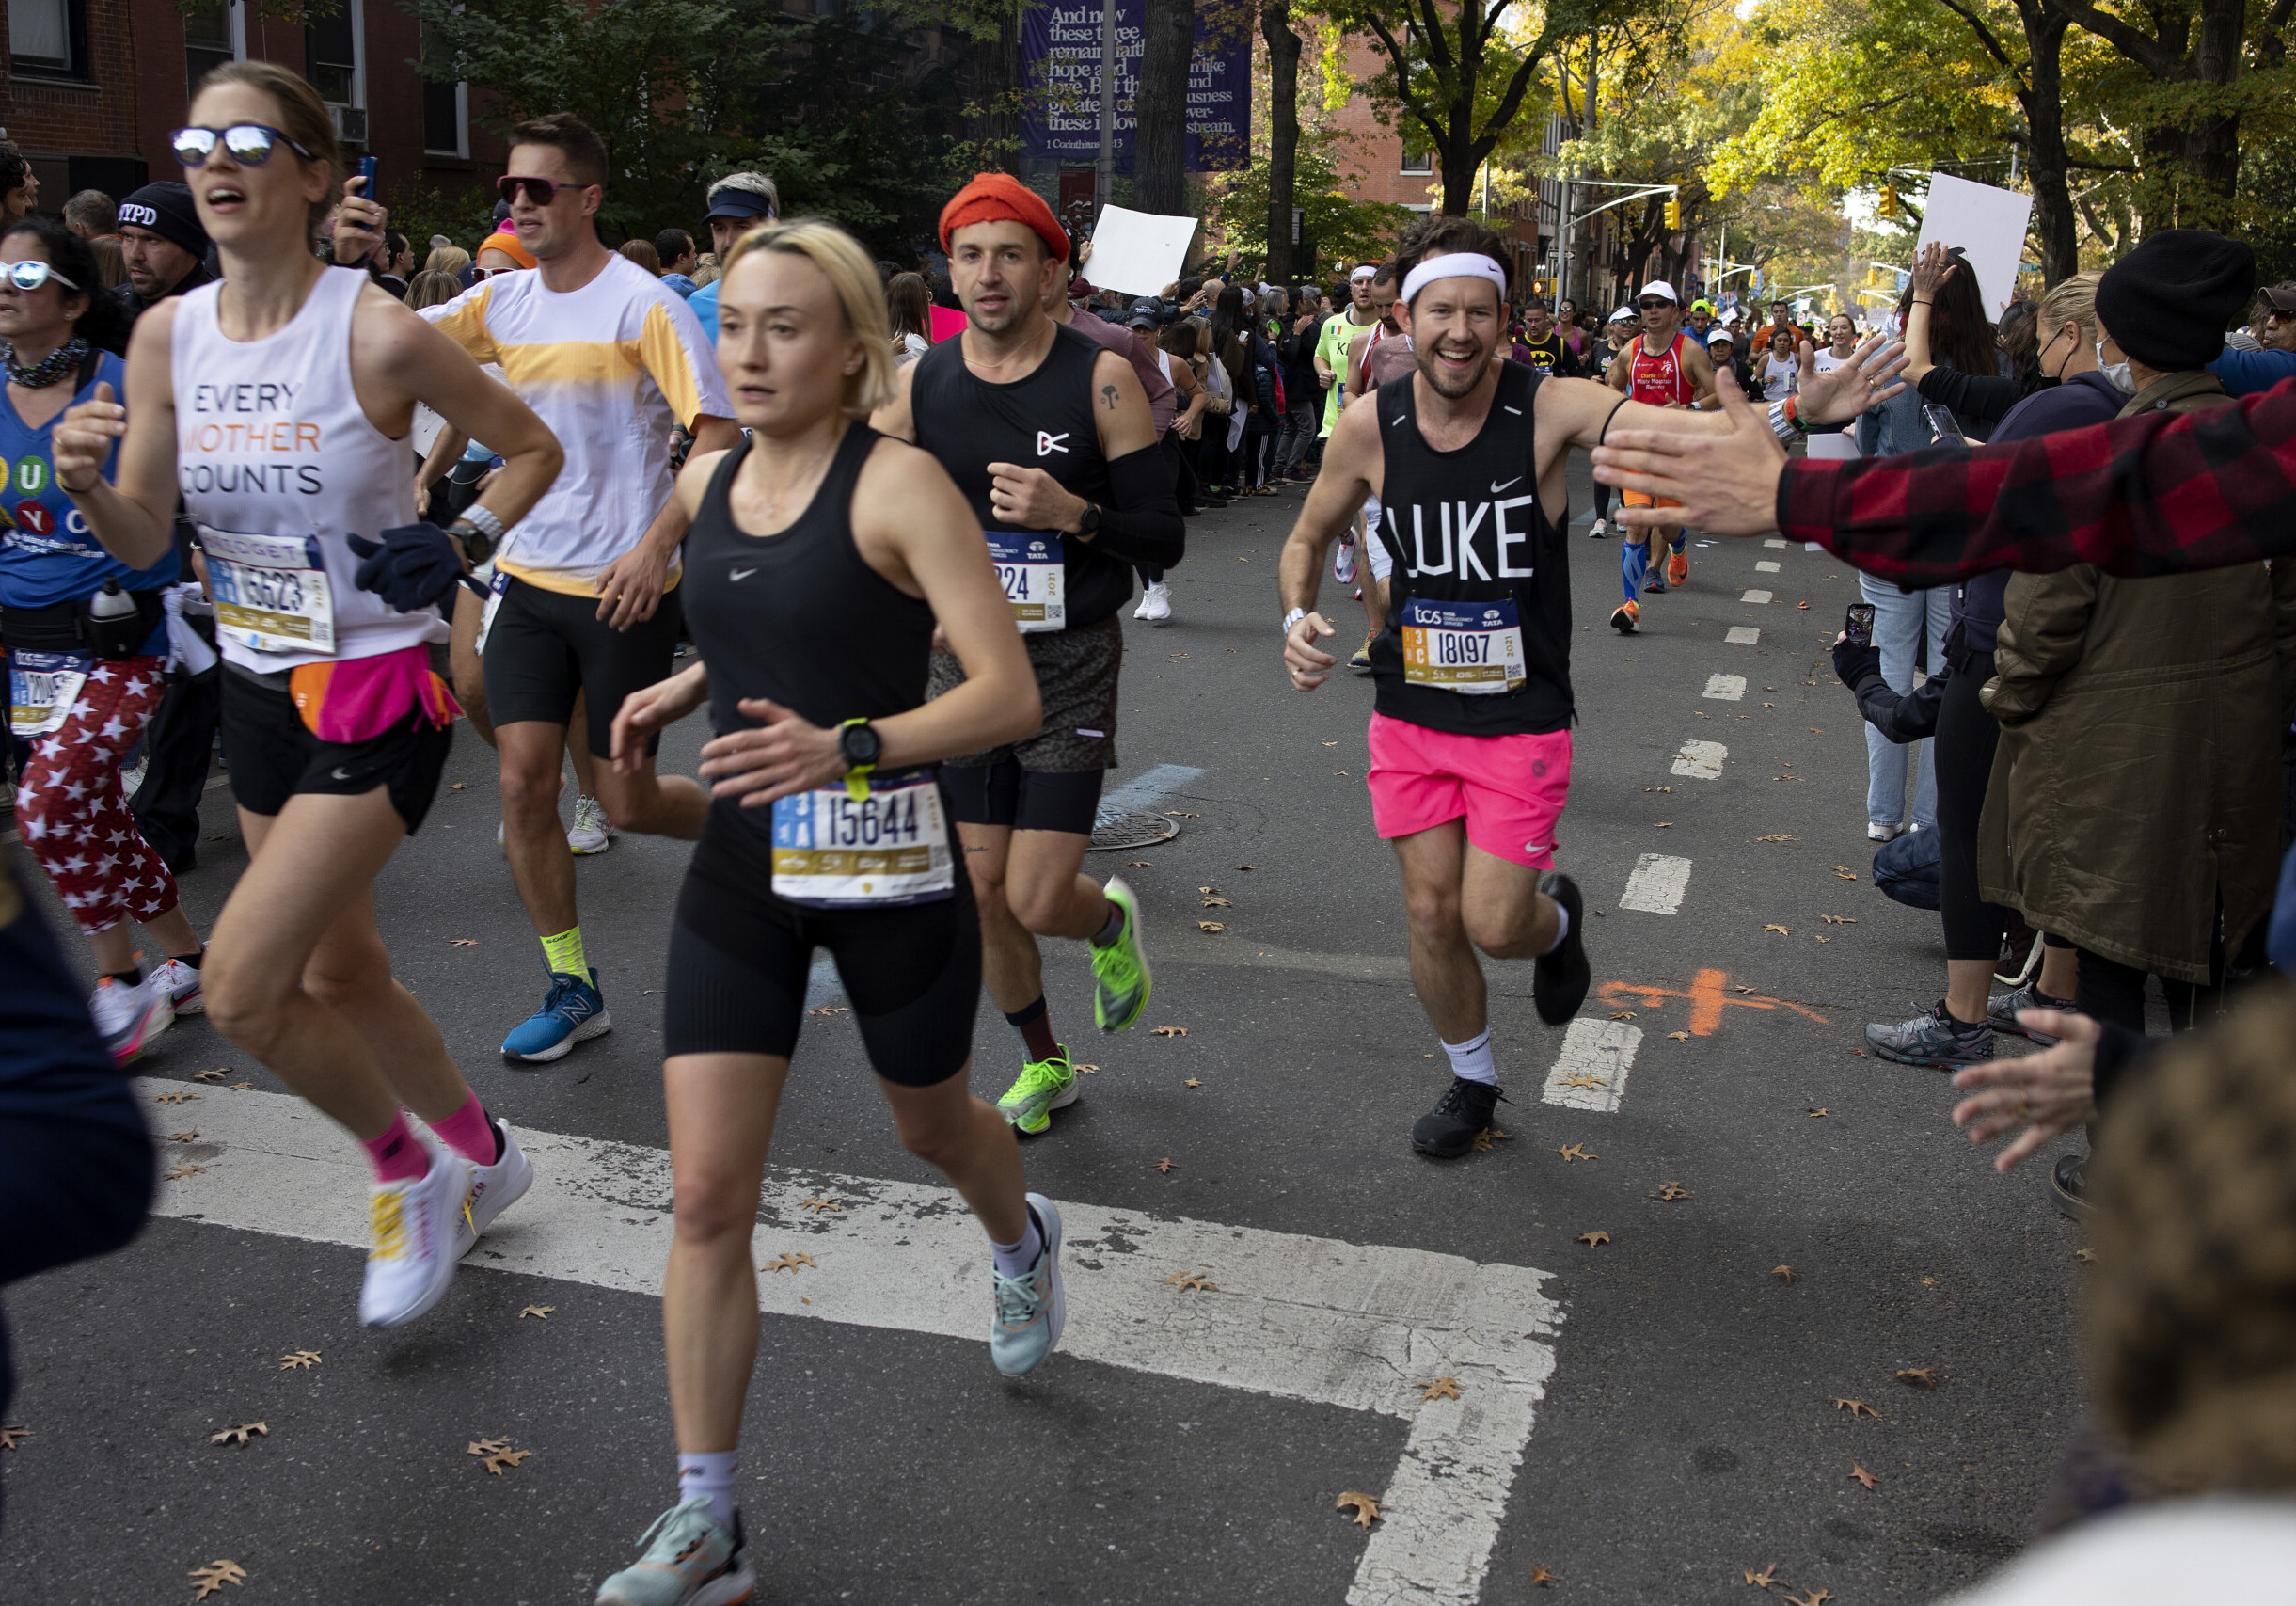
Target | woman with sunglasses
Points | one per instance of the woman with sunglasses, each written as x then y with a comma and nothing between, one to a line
278,403
86,643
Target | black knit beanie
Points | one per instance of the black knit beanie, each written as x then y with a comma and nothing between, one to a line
167,210
2168,303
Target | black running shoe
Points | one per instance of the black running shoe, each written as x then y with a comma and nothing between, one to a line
1558,980
2068,1183
1448,1130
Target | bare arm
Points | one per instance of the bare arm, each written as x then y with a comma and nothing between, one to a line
1356,375
1351,459
1930,270
1701,376
893,417
444,452
132,514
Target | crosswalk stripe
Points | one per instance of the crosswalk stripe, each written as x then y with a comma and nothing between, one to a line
1725,688
1658,885
1742,635
1591,1071
1365,1326
1700,761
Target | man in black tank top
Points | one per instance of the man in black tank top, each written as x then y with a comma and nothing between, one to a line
1471,738
1052,442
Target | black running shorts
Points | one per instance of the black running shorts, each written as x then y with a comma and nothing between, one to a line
739,959
546,647
272,754
1004,793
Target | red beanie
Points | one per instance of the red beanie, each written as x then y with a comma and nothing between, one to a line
999,197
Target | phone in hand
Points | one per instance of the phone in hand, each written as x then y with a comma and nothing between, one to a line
1857,625
1943,428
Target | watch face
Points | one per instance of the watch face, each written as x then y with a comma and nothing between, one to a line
859,744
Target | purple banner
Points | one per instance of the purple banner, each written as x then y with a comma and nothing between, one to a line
1061,52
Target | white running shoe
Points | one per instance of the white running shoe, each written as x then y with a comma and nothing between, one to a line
592,832
412,1225
1876,832
1155,603
493,1189
1597,529
183,987
1343,560
130,1017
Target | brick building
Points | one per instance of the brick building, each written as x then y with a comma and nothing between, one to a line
95,86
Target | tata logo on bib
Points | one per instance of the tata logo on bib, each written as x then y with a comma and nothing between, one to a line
1047,444
1038,549
1489,616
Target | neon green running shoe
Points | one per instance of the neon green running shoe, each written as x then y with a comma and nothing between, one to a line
1044,1086
1120,970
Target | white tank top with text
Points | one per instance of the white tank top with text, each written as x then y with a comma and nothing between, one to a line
271,442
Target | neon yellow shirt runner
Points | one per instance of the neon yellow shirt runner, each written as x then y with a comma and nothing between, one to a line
1331,345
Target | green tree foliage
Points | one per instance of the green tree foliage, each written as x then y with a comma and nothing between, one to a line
1333,221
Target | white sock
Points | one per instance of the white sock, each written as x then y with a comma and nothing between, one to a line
1562,928
709,1474
1014,1260
1471,1059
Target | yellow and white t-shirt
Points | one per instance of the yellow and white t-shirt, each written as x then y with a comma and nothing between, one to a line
611,367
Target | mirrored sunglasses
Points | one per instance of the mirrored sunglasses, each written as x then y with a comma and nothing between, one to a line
31,276
250,144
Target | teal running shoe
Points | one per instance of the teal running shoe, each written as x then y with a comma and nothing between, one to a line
1120,983
572,1011
691,1560
1044,1086
1029,1310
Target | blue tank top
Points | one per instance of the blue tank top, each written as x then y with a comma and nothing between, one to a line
47,554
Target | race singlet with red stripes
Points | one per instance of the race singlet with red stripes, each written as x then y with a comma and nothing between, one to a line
1660,379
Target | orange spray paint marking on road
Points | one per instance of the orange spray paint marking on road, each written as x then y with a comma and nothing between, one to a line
1707,999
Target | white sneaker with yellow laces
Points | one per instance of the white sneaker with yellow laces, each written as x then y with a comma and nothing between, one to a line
411,1227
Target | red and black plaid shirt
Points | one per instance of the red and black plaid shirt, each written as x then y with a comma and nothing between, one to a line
2163,493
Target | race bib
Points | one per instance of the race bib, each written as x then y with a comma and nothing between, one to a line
1029,565
42,689
494,605
1470,647
833,851
271,591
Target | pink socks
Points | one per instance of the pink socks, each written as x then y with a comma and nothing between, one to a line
468,1132
397,1154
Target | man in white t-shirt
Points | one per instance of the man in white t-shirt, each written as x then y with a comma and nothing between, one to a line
585,601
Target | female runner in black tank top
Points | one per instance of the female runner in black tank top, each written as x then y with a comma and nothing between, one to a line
823,555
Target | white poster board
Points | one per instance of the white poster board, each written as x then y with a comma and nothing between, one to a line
1137,252
1988,224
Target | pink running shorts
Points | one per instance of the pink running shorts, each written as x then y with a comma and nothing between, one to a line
1510,789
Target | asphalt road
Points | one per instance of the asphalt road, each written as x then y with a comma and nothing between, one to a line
1672,1399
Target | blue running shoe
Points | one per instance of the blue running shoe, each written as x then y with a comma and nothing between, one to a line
572,1011
1030,1309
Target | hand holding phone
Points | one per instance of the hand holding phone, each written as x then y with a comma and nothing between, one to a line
1857,625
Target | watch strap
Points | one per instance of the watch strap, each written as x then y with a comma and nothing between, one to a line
856,778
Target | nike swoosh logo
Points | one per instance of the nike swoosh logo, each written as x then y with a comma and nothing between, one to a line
1499,485
340,774
739,574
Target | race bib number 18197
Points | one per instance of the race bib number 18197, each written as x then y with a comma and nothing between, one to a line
1470,647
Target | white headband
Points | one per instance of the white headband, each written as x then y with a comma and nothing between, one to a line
1454,265
1368,270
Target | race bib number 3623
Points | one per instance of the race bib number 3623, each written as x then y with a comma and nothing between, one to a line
1470,647
833,851
271,591
1029,564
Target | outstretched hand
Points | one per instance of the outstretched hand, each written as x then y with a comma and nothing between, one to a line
2050,1092
1931,268
1726,485
1863,380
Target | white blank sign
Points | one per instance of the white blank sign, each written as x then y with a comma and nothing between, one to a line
1990,226
1137,252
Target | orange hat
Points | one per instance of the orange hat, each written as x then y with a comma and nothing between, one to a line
507,245
999,197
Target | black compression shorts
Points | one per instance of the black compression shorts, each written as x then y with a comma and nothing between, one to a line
1004,793
739,960
546,647
272,755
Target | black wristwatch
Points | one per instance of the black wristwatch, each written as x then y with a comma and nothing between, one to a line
859,744
1088,521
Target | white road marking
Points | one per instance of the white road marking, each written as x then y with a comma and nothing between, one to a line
1774,541
1725,688
1765,567
1813,547
1601,1052
1741,635
1702,760
1658,885
1302,1318
1755,596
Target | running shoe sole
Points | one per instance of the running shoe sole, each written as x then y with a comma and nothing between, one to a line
1558,980
129,1046
1624,622
1118,892
1060,1101
1927,1062
598,1026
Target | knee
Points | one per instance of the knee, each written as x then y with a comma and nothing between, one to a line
987,885
1433,912
1497,936
712,1214
1037,907
529,788
937,1143
244,996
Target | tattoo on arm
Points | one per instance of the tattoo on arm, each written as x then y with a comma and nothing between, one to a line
1110,392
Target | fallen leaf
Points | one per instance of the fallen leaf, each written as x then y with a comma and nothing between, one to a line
179,1173
1663,825
241,1087
173,1098
1924,1376
1213,927
1182,1031
1366,1509
1766,705
182,1136
1845,872
1541,1577
1657,788
1860,1053
1818,1111
1595,1238
831,1010
1815,731
1821,939
299,1360
787,1263
1176,813
1580,1079
1085,1070
1837,920
1192,1282
215,1075
496,1454
1929,1282
1139,863
540,1312
1785,1271
2084,1256
1440,1388
1861,1475
1764,1579
1331,744
1243,866
14,1435
1742,988
1803,606
238,1435
458,786
214,1576
1219,903
1781,930
1576,1151
1857,1407
1678,1036
1789,837
1671,1192
1621,1015
463,942
1167,1165
1816,1597
821,1204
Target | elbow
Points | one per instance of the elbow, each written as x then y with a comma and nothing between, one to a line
1020,711
546,457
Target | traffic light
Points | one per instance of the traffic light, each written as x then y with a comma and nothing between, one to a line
1673,213
1889,201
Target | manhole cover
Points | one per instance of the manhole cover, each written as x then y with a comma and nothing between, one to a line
1113,828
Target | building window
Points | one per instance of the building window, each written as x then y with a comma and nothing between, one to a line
330,54
1417,159
48,37
214,33
445,109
